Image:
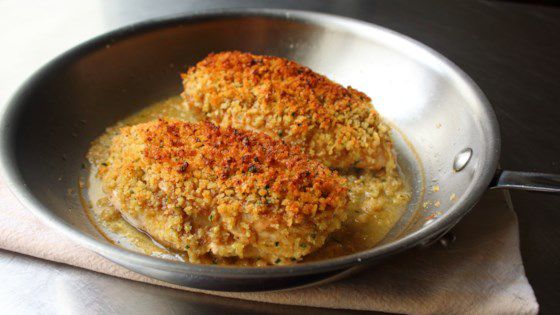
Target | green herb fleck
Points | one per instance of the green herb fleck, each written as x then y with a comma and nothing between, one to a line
277,244
277,261
104,164
280,133
293,259
303,245
252,169
211,217
187,247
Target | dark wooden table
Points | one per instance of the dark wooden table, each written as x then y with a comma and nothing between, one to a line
511,49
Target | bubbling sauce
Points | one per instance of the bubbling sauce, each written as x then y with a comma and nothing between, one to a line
377,201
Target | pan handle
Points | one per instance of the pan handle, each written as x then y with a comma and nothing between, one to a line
541,182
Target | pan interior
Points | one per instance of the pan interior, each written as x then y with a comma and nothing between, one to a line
357,235
70,102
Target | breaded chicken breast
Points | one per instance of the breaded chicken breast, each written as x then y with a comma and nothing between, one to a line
203,190
337,125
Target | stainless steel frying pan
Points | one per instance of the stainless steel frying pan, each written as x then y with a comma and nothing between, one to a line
451,134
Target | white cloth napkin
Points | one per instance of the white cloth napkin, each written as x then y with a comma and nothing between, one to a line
480,273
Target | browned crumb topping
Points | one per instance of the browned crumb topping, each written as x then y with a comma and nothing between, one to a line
231,193
337,125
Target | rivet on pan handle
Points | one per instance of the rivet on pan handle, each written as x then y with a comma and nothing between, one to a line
541,182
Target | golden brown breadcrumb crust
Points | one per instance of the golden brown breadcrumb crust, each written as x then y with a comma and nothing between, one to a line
202,189
284,99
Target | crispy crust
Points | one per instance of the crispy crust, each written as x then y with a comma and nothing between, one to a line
203,189
284,99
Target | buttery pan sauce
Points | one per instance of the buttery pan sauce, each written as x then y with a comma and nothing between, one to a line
377,201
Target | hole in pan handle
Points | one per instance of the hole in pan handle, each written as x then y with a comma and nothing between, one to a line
540,182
